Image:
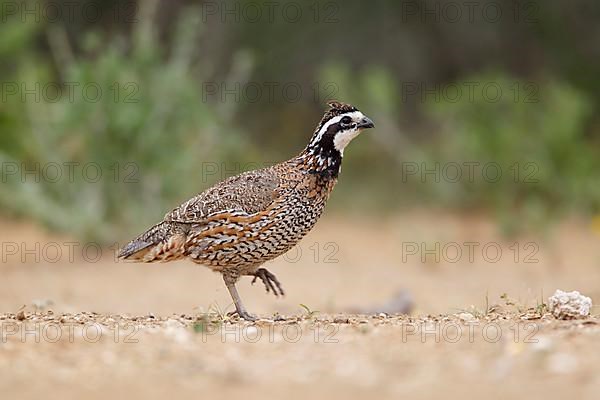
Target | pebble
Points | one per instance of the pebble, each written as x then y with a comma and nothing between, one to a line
465,316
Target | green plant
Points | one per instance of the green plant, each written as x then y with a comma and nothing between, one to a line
535,135
142,124
309,313
548,166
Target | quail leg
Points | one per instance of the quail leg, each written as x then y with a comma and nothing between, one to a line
270,281
239,307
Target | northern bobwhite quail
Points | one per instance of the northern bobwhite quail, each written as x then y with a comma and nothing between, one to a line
237,225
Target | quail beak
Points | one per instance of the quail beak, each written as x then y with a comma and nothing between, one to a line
366,123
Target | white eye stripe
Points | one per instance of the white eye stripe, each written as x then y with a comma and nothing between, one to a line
355,115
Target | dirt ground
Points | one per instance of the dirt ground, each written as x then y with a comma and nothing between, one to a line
73,324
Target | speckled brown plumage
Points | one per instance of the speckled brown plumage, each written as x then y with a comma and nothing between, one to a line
240,223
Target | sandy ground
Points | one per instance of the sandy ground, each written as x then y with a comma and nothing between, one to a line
73,325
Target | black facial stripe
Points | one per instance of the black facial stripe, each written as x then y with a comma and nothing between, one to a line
327,158
326,143
325,149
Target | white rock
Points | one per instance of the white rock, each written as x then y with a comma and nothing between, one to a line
569,305
467,317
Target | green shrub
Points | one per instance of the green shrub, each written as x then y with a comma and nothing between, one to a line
148,132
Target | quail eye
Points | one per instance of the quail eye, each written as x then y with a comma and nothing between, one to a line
346,121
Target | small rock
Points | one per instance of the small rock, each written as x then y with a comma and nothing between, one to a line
340,320
569,305
465,316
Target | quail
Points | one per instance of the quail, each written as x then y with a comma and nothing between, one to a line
246,220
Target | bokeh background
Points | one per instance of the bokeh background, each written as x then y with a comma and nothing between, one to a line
473,200
191,92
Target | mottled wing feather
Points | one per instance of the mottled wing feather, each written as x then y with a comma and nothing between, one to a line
239,199
248,193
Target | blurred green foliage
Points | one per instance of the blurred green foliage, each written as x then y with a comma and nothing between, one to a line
525,154
153,131
141,124
536,161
